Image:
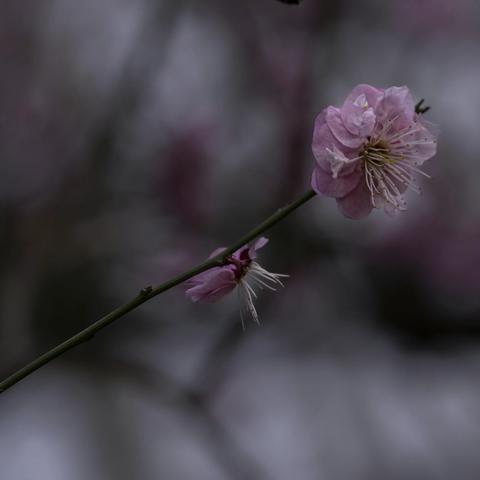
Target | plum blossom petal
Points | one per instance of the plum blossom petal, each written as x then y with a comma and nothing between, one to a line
418,141
396,105
339,162
325,184
257,245
339,130
211,285
322,139
371,94
357,204
244,255
324,142
217,251
358,110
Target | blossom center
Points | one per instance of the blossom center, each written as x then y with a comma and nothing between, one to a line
377,154
241,267
385,175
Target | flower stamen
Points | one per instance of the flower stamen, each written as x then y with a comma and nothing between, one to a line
388,163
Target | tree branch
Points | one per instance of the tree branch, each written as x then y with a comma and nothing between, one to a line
149,292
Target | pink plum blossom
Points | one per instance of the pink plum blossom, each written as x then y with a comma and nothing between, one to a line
368,151
241,270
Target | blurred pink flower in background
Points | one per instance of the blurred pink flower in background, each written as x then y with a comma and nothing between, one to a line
443,253
182,176
435,15
240,270
368,151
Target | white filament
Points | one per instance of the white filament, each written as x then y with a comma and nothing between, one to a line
255,276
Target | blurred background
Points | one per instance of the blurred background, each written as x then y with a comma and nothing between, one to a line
138,136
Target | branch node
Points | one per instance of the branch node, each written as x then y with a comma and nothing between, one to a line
146,291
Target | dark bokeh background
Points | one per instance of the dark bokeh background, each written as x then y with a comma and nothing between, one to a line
136,137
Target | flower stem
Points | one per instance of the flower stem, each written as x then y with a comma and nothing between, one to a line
148,293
